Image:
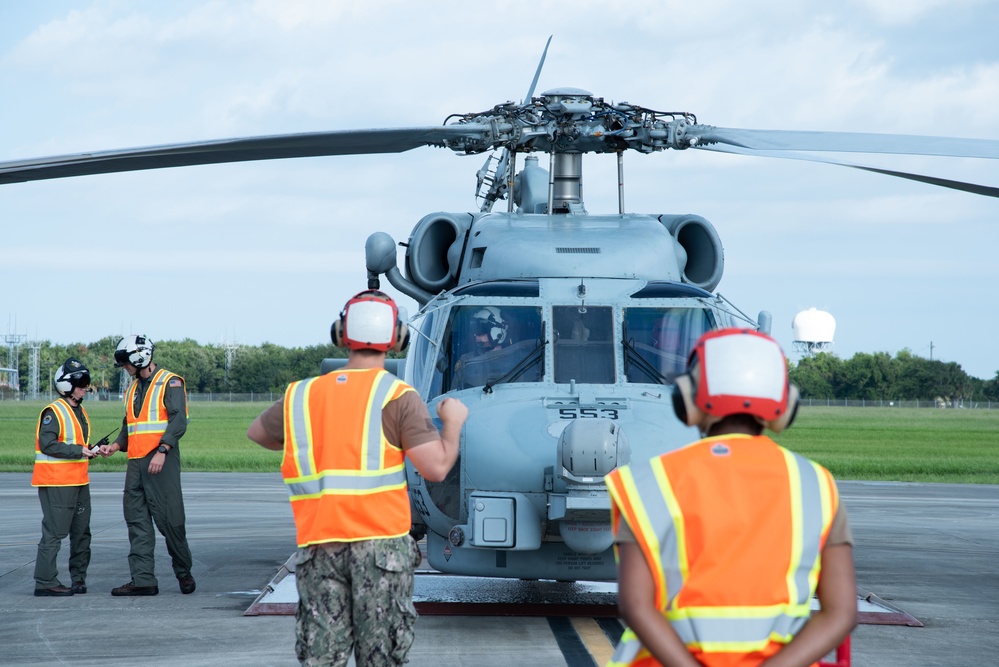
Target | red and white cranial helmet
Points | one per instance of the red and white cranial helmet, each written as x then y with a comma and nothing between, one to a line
736,371
370,321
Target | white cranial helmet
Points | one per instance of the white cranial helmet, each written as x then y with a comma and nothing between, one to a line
134,349
488,321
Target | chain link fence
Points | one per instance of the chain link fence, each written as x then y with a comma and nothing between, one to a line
229,397
881,403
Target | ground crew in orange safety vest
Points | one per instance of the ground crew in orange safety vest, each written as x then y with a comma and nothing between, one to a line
722,543
62,456
345,437
155,419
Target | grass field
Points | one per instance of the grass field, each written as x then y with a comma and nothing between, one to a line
215,441
886,444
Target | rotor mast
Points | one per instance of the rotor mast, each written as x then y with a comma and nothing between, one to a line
565,123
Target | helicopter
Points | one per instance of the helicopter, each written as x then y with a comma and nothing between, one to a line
560,329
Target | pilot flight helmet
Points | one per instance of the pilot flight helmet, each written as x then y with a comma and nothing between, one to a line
488,321
370,321
71,374
735,371
134,349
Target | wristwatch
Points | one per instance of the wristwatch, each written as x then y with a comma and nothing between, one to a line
162,449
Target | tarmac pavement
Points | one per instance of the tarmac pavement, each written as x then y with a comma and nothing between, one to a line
930,550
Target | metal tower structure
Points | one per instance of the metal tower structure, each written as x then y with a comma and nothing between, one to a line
124,379
13,345
230,355
33,370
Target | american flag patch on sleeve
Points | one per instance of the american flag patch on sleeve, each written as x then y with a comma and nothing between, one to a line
175,383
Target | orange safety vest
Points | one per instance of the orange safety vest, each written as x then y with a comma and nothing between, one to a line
52,471
346,482
732,528
146,428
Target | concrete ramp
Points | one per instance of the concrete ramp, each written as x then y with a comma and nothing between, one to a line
438,594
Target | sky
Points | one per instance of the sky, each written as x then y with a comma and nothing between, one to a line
270,251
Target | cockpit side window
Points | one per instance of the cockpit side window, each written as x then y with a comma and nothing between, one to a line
422,328
661,338
487,343
584,344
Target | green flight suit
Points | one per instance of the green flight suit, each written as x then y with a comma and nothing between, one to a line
65,509
156,502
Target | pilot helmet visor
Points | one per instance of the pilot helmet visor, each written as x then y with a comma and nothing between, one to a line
79,379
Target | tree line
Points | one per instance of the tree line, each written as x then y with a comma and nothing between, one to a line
879,376
264,368
270,368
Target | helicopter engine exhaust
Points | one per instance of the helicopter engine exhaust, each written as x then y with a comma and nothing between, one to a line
434,250
705,260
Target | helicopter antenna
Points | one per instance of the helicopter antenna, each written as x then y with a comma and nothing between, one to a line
500,179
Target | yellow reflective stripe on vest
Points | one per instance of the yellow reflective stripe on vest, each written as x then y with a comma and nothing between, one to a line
659,516
297,407
371,448
345,482
627,651
349,483
738,629
810,512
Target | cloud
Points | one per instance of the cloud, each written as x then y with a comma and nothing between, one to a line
115,73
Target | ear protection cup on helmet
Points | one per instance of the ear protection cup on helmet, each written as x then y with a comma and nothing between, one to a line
336,331
401,336
790,412
683,401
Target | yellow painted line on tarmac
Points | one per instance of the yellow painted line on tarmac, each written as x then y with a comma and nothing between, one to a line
594,639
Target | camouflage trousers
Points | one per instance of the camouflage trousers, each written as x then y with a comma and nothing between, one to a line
356,596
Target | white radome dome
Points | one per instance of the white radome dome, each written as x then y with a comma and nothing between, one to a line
814,326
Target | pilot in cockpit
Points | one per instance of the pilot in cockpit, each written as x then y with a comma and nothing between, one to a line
495,354
491,332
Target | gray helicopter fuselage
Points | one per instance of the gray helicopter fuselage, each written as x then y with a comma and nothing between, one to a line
525,500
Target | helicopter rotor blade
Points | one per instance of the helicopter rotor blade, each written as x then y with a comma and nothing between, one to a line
974,188
844,142
537,74
271,147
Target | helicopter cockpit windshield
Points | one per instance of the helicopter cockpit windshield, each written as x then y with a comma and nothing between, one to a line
657,341
584,344
490,344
